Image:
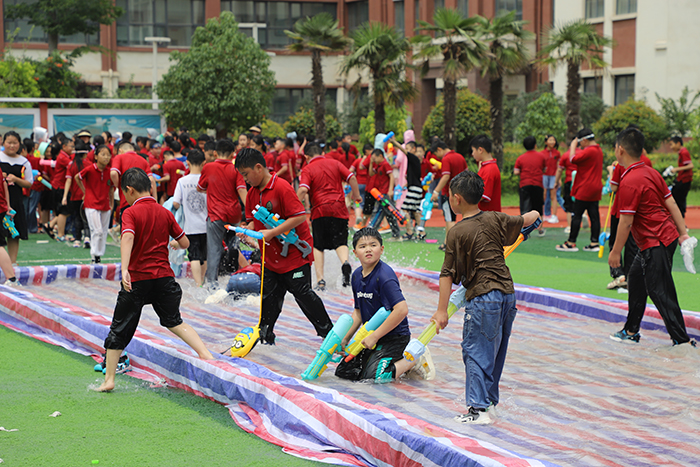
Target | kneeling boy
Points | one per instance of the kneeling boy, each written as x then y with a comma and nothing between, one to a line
375,285
146,228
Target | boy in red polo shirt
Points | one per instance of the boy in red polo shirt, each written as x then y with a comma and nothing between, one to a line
586,190
173,170
453,164
323,179
58,184
282,274
146,273
489,173
530,166
125,159
684,174
284,163
94,181
224,187
649,212
380,176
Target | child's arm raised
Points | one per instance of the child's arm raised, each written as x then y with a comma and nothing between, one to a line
127,244
398,313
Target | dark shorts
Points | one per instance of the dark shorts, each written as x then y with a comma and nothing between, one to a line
531,199
447,211
566,194
197,251
58,207
163,293
46,200
370,364
368,208
329,233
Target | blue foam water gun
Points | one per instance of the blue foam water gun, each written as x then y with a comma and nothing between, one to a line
9,223
398,191
251,233
426,207
355,346
347,190
606,187
331,344
38,177
426,181
271,221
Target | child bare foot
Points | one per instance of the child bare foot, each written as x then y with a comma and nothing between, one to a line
107,386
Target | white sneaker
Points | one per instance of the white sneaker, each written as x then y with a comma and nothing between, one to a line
9,283
567,230
424,367
475,417
553,219
216,297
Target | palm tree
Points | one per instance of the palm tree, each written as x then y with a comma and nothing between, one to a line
458,45
574,43
505,38
381,49
318,34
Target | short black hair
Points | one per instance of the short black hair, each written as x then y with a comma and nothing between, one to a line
482,141
98,140
632,140
412,144
418,145
367,147
210,145
469,186
175,146
344,135
312,149
438,144
258,140
366,232
203,137
529,143
168,151
195,157
126,136
225,147
377,152
333,144
249,158
28,145
677,139
136,178
101,148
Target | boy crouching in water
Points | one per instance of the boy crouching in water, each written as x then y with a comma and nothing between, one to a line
375,285
474,258
146,274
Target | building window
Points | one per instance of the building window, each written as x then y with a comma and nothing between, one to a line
626,6
624,88
510,5
176,19
463,7
287,101
438,4
267,21
595,8
358,13
400,17
26,32
593,86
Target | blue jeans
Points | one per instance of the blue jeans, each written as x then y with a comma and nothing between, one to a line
488,321
243,284
548,182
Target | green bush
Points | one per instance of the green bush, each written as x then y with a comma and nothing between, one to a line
473,118
544,117
515,109
617,118
17,80
592,108
304,124
56,79
272,129
395,121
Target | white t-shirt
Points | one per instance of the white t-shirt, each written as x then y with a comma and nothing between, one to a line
193,203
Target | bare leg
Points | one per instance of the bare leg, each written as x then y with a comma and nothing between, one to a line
204,270
111,362
358,215
196,272
342,252
318,264
402,366
185,332
13,249
61,224
6,264
554,201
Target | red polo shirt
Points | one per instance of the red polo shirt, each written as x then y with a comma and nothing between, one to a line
271,160
551,157
642,193
588,184
76,194
4,207
96,183
123,162
684,176
567,166
279,198
491,175
152,226
453,164
615,180
532,165
346,159
221,181
380,179
58,179
360,173
284,158
324,178
170,168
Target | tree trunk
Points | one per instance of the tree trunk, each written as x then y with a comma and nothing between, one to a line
450,101
573,100
53,42
379,114
496,97
319,91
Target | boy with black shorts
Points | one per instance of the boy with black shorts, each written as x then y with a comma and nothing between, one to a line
375,285
282,274
146,274
414,193
568,168
530,166
649,212
453,163
489,172
194,205
322,179
474,258
684,174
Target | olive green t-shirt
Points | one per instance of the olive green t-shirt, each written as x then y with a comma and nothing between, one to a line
474,252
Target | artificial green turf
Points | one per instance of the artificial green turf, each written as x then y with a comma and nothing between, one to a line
536,262
136,425
49,252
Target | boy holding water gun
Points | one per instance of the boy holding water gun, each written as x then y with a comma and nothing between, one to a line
474,257
287,268
375,286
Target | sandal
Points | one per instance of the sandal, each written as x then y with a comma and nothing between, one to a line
48,230
566,246
442,247
320,285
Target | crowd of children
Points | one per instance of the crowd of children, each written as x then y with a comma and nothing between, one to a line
222,183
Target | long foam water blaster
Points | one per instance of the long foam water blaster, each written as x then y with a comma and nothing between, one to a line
688,253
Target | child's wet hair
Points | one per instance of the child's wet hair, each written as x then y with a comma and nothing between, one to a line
137,179
195,157
248,158
366,232
469,186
